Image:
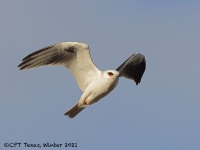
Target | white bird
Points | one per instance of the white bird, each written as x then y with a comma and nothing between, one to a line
95,84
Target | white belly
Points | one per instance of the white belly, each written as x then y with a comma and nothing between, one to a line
100,89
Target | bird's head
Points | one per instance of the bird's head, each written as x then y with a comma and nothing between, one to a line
110,74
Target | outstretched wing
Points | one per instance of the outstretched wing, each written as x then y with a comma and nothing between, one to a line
133,68
75,56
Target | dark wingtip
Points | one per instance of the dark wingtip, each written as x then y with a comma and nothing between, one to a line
20,66
136,81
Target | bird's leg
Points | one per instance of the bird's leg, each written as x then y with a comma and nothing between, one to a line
85,102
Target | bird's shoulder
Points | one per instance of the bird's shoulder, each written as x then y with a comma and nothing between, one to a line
75,45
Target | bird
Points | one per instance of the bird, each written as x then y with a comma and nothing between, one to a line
94,83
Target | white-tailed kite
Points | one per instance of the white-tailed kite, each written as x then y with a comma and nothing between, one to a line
95,84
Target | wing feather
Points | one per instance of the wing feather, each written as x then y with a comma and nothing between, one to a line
133,68
73,55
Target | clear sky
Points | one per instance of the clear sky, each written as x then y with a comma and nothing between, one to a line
161,113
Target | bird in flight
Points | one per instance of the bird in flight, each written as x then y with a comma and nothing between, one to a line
95,84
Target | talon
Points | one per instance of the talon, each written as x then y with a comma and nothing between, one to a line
85,102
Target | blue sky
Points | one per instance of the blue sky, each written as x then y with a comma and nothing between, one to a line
160,113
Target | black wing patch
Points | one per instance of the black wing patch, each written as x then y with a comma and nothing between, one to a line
70,49
133,67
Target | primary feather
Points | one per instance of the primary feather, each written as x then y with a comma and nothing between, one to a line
133,68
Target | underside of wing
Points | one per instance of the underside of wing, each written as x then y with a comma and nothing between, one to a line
73,55
133,68
51,55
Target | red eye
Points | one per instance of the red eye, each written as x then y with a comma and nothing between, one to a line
110,74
